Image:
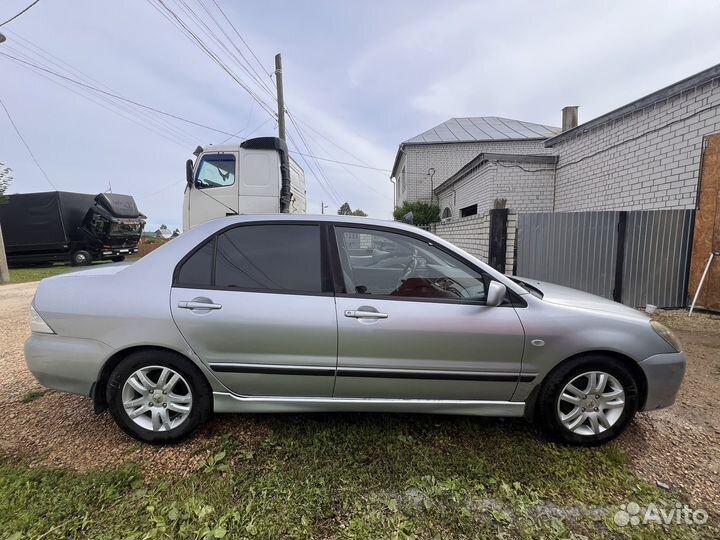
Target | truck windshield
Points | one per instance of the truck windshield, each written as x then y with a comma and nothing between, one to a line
215,170
125,228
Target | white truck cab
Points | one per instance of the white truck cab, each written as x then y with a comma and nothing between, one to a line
255,177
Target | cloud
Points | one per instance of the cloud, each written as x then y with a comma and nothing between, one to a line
365,75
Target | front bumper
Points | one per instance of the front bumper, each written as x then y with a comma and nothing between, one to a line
65,363
118,252
664,374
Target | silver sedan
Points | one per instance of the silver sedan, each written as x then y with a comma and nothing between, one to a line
323,313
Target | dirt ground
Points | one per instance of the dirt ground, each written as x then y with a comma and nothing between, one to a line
679,446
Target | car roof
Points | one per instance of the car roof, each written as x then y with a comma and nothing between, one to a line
350,220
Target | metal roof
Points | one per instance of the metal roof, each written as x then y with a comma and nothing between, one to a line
483,128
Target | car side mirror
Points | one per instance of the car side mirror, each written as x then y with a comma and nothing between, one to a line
495,294
189,172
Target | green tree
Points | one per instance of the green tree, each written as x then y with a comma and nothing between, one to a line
6,177
423,213
345,210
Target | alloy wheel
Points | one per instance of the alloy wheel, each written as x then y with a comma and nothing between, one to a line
591,403
157,398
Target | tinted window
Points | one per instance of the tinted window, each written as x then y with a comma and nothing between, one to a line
388,264
216,171
274,257
197,270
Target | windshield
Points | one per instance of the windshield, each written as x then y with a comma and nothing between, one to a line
216,170
125,228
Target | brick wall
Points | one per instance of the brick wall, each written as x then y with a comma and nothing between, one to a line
447,159
646,160
527,187
473,235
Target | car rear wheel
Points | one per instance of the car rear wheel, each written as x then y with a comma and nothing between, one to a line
588,401
158,397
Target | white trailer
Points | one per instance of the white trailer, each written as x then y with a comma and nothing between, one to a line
256,176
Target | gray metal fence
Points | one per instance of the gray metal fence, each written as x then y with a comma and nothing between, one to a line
636,257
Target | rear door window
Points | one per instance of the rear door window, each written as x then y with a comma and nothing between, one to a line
270,257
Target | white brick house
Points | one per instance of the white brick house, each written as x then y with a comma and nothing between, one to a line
645,155
427,160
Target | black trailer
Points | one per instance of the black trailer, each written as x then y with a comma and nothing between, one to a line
73,227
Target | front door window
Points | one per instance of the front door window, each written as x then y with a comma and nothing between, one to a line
384,264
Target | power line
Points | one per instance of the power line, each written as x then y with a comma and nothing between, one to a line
328,139
115,96
322,177
364,184
251,72
343,162
156,125
317,177
26,145
177,21
16,16
257,77
241,39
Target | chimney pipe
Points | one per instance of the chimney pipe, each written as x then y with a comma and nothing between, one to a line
569,117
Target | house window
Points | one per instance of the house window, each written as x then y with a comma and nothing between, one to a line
402,180
446,213
468,210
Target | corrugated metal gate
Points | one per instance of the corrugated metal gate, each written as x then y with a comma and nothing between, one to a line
637,257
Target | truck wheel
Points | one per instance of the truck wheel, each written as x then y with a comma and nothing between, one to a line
81,258
119,258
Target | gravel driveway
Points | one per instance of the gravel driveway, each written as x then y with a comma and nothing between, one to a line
679,446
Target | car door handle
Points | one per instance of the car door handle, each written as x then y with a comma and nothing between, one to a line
358,314
184,304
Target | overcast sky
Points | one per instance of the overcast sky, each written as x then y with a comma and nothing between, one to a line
360,77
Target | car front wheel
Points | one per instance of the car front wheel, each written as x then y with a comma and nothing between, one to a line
588,401
158,397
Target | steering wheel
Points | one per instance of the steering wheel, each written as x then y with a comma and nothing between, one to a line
409,268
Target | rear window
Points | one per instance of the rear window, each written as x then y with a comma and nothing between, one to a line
270,257
197,270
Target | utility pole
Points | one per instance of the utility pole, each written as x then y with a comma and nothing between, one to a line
280,96
323,206
4,272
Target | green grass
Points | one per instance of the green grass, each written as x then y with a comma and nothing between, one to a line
349,477
36,273
32,395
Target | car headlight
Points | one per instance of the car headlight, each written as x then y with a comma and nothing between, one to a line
37,324
665,333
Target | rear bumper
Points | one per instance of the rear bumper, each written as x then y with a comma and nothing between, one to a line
63,363
664,374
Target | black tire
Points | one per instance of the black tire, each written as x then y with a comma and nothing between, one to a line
201,408
119,258
81,258
555,382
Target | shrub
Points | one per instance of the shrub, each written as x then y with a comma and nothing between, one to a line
423,213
